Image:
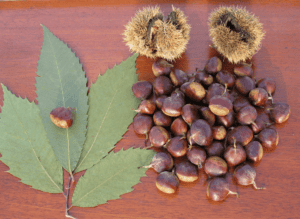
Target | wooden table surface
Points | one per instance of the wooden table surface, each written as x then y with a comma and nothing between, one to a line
93,30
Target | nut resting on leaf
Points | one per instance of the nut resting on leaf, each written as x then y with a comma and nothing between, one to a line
235,33
62,117
148,34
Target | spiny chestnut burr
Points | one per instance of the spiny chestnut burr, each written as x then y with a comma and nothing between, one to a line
280,112
161,161
269,138
215,149
142,124
234,155
203,78
219,132
196,155
142,89
247,115
161,67
62,117
161,119
178,77
177,146
218,189
158,136
244,85
213,65
245,175
240,135
254,151
208,115
167,182
146,107
258,96
243,70
162,85
201,133
220,106
225,78
179,127
215,166
195,91
186,171
189,113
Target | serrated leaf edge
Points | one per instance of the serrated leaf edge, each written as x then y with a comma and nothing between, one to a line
79,164
28,139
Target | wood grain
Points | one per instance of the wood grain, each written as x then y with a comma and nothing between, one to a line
93,31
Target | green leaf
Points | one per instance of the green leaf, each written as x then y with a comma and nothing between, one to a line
111,177
24,145
61,82
110,113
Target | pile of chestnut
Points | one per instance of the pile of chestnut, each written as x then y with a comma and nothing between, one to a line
211,119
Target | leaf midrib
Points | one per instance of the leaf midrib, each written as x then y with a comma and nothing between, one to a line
63,98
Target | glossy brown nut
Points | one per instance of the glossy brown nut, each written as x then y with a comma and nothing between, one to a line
215,166
195,91
218,189
201,132
142,89
142,124
203,78
161,161
215,149
177,146
189,113
167,182
234,155
208,115
213,65
161,67
280,112
269,138
243,70
196,155
162,85
219,132
158,136
178,77
62,117
172,106
179,127
258,96
239,103
244,85
254,151
186,171
268,84
247,115
262,121
146,107
214,90
160,100
240,135
161,119
220,106
227,120
226,78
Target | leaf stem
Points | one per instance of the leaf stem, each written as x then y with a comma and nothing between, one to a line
70,184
